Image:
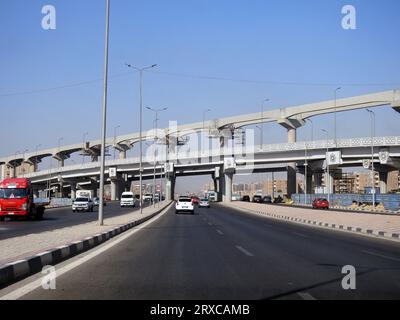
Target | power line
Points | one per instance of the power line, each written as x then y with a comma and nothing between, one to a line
200,77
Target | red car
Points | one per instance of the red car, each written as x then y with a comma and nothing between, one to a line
195,200
320,204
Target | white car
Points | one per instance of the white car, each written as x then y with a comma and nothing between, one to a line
204,203
184,204
127,199
82,204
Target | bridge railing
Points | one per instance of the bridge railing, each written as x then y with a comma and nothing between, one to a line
247,151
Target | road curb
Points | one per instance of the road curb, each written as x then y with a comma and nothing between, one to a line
351,229
18,270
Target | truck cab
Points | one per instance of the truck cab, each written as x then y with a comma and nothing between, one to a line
16,199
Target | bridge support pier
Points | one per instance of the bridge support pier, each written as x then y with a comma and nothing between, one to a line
291,169
94,187
170,188
329,182
73,190
117,187
383,179
228,177
122,155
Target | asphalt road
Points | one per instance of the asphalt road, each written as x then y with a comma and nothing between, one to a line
221,253
56,218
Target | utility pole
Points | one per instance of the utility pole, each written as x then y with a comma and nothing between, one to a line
140,70
104,116
372,114
328,178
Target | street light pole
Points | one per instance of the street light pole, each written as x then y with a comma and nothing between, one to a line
84,146
262,121
204,120
115,137
23,160
104,116
328,178
140,70
259,127
156,111
335,94
372,114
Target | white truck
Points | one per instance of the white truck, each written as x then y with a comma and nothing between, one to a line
84,194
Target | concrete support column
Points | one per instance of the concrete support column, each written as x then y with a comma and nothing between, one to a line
95,158
291,169
309,182
383,179
122,155
73,190
220,188
228,177
317,179
170,188
61,163
329,182
94,186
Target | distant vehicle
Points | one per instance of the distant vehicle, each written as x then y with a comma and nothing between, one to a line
211,196
278,199
246,198
204,203
267,199
148,197
320,203
235,197
184,204
257,198
195,200
83,204
128,199
16,199
96,202
84,194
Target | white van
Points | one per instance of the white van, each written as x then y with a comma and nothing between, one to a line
128,199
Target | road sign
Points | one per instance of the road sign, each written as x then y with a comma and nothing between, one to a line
333,157
383,157
112,172
366,163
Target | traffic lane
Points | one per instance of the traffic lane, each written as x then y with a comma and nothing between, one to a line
314,257
57,218
177,257
222,254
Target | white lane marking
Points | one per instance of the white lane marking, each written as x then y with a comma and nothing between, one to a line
4,229
381,256
247,253
300,234
210,224
20,292
220,232
306,296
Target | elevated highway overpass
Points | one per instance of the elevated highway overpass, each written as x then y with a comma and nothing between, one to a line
222,164
290,155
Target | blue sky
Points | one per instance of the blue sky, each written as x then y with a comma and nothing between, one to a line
270,41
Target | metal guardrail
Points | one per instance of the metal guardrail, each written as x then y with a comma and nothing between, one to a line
389,201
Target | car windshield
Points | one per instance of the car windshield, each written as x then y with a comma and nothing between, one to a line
127,196
185,200
82,199
204,199
12,193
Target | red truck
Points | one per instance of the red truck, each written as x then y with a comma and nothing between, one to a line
16,200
